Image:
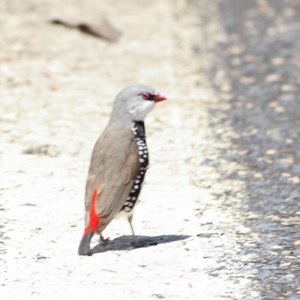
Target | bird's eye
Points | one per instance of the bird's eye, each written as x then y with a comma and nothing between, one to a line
145,96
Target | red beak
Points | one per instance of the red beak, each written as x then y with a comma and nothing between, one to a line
159,97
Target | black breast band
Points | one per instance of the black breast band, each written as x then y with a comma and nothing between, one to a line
138,130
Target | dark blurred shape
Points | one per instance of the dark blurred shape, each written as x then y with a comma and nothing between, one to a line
124,242
48,150
99,27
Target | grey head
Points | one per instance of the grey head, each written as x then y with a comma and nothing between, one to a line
134,102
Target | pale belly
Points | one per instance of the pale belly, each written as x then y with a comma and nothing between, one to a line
124,214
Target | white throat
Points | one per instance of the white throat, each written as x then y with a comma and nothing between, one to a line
140,113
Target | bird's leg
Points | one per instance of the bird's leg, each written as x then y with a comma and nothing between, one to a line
134,241
101,238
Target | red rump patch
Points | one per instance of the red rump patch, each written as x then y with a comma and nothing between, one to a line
94,218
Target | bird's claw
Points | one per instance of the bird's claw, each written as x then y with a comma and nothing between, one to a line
103,241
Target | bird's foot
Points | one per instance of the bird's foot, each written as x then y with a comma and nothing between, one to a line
133,245
103,241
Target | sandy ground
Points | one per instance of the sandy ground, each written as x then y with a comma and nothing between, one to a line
59,85
205,221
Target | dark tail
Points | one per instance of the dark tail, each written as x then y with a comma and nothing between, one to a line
84,247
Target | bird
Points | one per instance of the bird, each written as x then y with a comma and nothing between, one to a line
118,164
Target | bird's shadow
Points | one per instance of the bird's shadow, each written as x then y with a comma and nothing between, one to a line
124,242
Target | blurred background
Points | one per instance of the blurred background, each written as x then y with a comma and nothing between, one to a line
221,199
